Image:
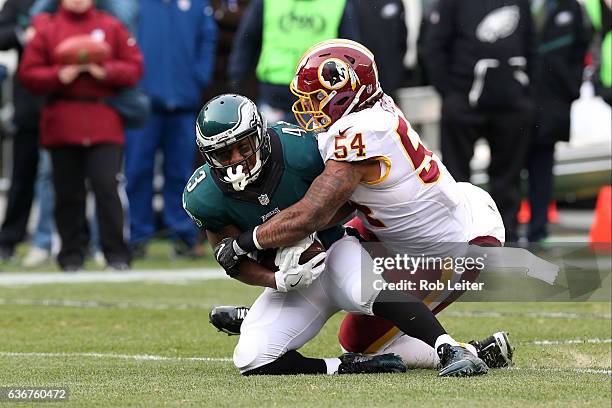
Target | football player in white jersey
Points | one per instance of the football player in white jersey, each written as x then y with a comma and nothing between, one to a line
375,163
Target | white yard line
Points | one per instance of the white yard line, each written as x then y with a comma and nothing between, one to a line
164,276
572,341
561,370
137,357
148,357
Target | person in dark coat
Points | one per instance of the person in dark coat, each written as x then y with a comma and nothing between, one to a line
178,40
84,135
479,56
383,30
13,35
563,42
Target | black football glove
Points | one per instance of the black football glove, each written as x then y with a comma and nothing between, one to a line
229,255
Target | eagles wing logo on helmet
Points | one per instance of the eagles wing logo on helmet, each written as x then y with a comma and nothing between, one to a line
333,73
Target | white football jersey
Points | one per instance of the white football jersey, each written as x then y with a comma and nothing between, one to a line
415,204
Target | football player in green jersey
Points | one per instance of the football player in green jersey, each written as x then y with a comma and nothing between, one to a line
251,173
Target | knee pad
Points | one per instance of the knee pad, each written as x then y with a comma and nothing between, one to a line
247,355
253,351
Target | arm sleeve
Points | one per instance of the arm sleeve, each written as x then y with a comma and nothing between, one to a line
438,45
349,28
36,71
247,43
207,42
204,203
126,67
205,214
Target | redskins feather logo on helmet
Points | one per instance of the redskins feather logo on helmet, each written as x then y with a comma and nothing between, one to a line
333,73
333,79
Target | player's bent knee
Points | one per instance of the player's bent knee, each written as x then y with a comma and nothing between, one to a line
253,351
247,355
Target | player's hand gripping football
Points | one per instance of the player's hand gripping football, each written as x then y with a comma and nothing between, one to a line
229,255
292,275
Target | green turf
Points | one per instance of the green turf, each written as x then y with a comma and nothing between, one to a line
170,320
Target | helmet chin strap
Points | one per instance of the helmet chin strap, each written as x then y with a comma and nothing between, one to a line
354,102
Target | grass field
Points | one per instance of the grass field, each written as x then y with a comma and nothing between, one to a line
149,343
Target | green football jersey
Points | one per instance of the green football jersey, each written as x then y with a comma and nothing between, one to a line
292,166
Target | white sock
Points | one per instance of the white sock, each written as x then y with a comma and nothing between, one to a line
332,365
414,352
445,339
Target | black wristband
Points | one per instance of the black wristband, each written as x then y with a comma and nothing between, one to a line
245,241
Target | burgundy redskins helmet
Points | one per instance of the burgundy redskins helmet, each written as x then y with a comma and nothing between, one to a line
333,78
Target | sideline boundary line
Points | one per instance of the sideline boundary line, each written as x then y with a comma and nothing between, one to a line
165,276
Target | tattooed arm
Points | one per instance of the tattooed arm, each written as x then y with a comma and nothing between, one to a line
326,195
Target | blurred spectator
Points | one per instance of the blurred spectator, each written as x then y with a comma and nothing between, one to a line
13,35
600,15
178,39
272,37
83,134
42,240
557,79
383,30
40,251
125,10
479,56
416,36
227,14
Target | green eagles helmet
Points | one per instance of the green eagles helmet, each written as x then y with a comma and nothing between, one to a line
224,121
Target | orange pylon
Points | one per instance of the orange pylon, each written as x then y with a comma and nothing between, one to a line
524,214
553,214
600,237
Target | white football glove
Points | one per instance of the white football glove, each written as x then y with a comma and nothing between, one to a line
293,276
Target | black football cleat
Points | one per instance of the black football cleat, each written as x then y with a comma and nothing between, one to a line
355,363
496,350
457,361
228,319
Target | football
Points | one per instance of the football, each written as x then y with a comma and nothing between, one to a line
82,49
266,257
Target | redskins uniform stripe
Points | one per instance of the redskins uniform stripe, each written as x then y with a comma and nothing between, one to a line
374,347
